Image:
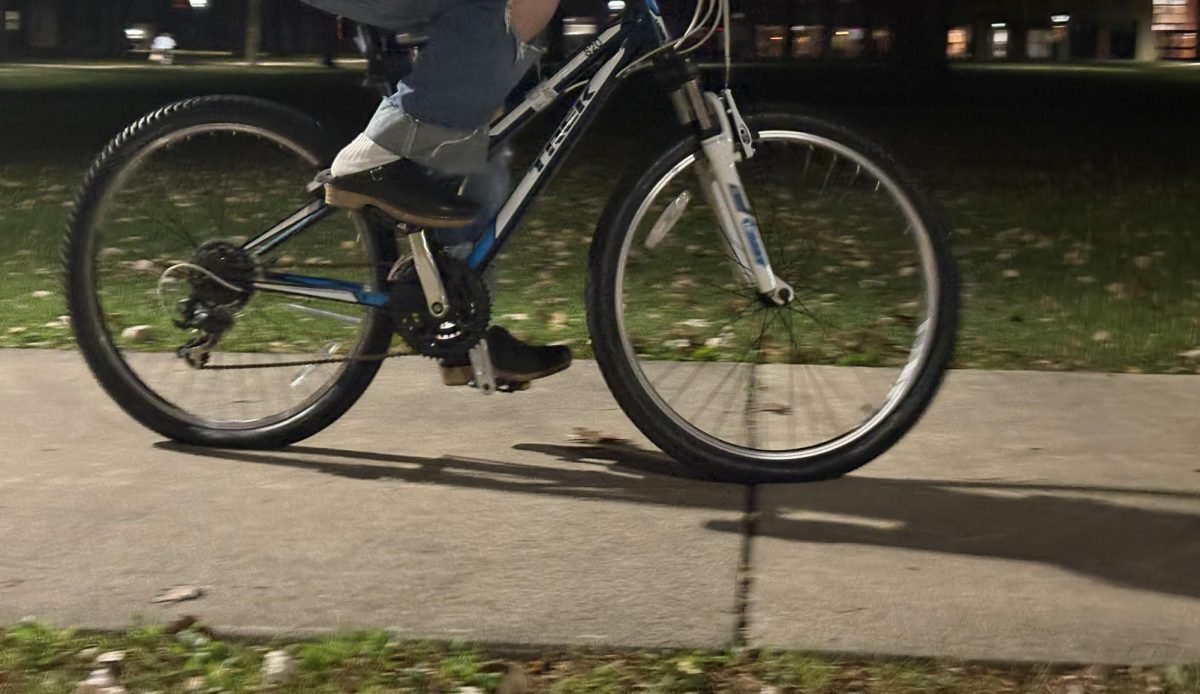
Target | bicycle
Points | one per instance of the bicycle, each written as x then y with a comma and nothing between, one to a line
204,274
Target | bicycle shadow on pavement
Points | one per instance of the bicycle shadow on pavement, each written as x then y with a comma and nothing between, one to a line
1110,533
619,472
1121,538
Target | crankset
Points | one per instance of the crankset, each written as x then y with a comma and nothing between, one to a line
462,321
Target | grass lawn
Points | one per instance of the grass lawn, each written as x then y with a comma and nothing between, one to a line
35,658
1073,195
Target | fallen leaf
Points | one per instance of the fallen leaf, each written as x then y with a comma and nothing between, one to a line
111,658
179,624
278,668
138,333
178,594
595,438
1075,257
515,681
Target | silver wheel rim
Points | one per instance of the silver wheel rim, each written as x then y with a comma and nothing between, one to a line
917,358
130,168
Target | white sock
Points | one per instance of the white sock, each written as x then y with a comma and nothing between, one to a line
360,155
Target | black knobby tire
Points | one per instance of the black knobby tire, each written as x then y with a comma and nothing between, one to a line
700,455
92,333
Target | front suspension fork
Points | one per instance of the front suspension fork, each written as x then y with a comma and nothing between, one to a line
726,141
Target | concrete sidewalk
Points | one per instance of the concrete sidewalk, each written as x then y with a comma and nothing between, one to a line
1030,516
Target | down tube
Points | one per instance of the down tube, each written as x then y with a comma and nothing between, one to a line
574,125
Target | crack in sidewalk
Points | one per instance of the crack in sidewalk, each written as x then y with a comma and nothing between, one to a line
745,575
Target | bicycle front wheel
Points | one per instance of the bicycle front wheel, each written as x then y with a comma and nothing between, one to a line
179,188
742,389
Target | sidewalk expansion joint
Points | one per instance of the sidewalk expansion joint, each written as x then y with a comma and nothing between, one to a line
745,574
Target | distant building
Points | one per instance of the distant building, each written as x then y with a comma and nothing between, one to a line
762,30
1072,30
115,27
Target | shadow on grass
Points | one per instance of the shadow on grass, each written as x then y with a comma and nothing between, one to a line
1153,549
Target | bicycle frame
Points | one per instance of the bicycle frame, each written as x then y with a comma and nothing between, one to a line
595,70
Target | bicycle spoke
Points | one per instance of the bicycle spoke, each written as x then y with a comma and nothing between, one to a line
198,189
829,226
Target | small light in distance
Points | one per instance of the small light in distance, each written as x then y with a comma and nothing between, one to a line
1060,18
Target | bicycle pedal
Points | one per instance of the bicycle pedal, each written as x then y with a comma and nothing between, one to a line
317,184
512,386
484,375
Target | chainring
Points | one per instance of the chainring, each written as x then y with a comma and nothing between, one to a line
454,334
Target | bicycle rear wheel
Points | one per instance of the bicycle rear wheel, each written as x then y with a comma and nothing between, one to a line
217,170
742,389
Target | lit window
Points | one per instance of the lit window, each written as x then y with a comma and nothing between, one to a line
769,40
12,20
958,42
1040,44
999,43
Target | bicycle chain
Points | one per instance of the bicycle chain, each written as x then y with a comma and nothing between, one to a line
306,362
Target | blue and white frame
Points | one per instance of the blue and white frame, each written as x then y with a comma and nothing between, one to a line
594,70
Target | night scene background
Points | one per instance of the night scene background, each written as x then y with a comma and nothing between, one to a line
1058,136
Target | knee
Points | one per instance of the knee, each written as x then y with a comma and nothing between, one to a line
529,17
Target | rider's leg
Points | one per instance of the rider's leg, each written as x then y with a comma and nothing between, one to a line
476,53
436,128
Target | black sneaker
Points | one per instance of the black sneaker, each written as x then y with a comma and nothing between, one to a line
514,363
405,191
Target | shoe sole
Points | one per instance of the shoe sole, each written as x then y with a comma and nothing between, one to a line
356,201
463,375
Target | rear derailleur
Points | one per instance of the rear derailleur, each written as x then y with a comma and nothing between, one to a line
221,277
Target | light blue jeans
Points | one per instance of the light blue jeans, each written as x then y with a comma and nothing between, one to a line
440,113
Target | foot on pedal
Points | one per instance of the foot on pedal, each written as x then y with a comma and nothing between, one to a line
513,363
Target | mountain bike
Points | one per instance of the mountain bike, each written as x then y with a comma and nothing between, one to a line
771,299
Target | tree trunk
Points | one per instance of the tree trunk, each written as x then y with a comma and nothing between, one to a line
919,49
828,20
253,30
